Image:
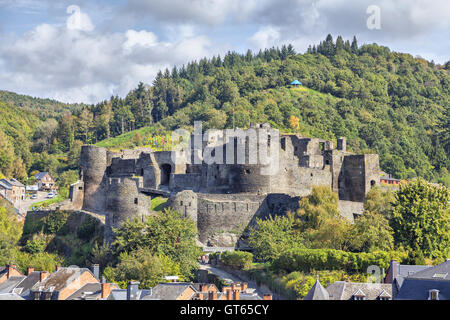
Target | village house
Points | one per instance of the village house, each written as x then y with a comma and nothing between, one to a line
396,273
432,283
8,271
346,290
45,181
62,283
12,190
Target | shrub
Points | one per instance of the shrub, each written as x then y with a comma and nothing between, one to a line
307,260
237,259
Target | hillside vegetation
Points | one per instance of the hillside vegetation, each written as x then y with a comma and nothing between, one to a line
385,102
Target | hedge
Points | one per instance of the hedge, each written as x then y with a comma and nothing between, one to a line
307,260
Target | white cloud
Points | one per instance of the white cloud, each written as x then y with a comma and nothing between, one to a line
81,65
265,37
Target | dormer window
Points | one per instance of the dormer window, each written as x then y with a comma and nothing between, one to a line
433,294
359,295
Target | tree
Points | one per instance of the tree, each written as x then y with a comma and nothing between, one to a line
320,222
372,232
269,238
354,45
379,201
144,266
421,218
164,233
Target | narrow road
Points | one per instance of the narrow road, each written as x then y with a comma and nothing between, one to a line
252,287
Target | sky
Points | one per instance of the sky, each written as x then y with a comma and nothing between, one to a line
88,50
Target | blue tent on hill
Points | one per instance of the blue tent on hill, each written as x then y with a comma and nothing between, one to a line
296,83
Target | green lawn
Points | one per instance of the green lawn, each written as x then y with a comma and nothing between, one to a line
46,203
157,203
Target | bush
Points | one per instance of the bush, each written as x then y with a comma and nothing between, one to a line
307,260
237,259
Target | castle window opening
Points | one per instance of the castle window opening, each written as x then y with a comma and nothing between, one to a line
283,144
247,171
80,188
372,183
181,203
166,170
327,161
135,200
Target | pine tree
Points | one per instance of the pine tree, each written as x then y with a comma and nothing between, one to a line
354,45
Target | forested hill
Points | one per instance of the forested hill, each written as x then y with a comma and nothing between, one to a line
382,101
388,102
44,108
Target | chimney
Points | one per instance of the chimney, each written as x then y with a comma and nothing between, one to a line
43,275
106,290
267,296
95,269
244,286
236,295
10,271
132,290
229,294
393,271
212,295
30,270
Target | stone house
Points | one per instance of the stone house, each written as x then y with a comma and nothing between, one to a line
12,190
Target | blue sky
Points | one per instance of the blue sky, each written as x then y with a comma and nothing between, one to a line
88,50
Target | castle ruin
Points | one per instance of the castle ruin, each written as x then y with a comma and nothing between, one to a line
222,198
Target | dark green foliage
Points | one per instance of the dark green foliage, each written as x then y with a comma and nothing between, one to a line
55,221
87,228
237,259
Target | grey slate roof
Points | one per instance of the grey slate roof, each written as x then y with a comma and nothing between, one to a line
343,290
169,291
10,296
439,272
418,289
90,291
121,294
40,175
9,284
28,283
317,292
5,185
418,285
404,271
16,183
60,279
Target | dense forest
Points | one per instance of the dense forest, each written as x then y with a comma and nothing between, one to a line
382,101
